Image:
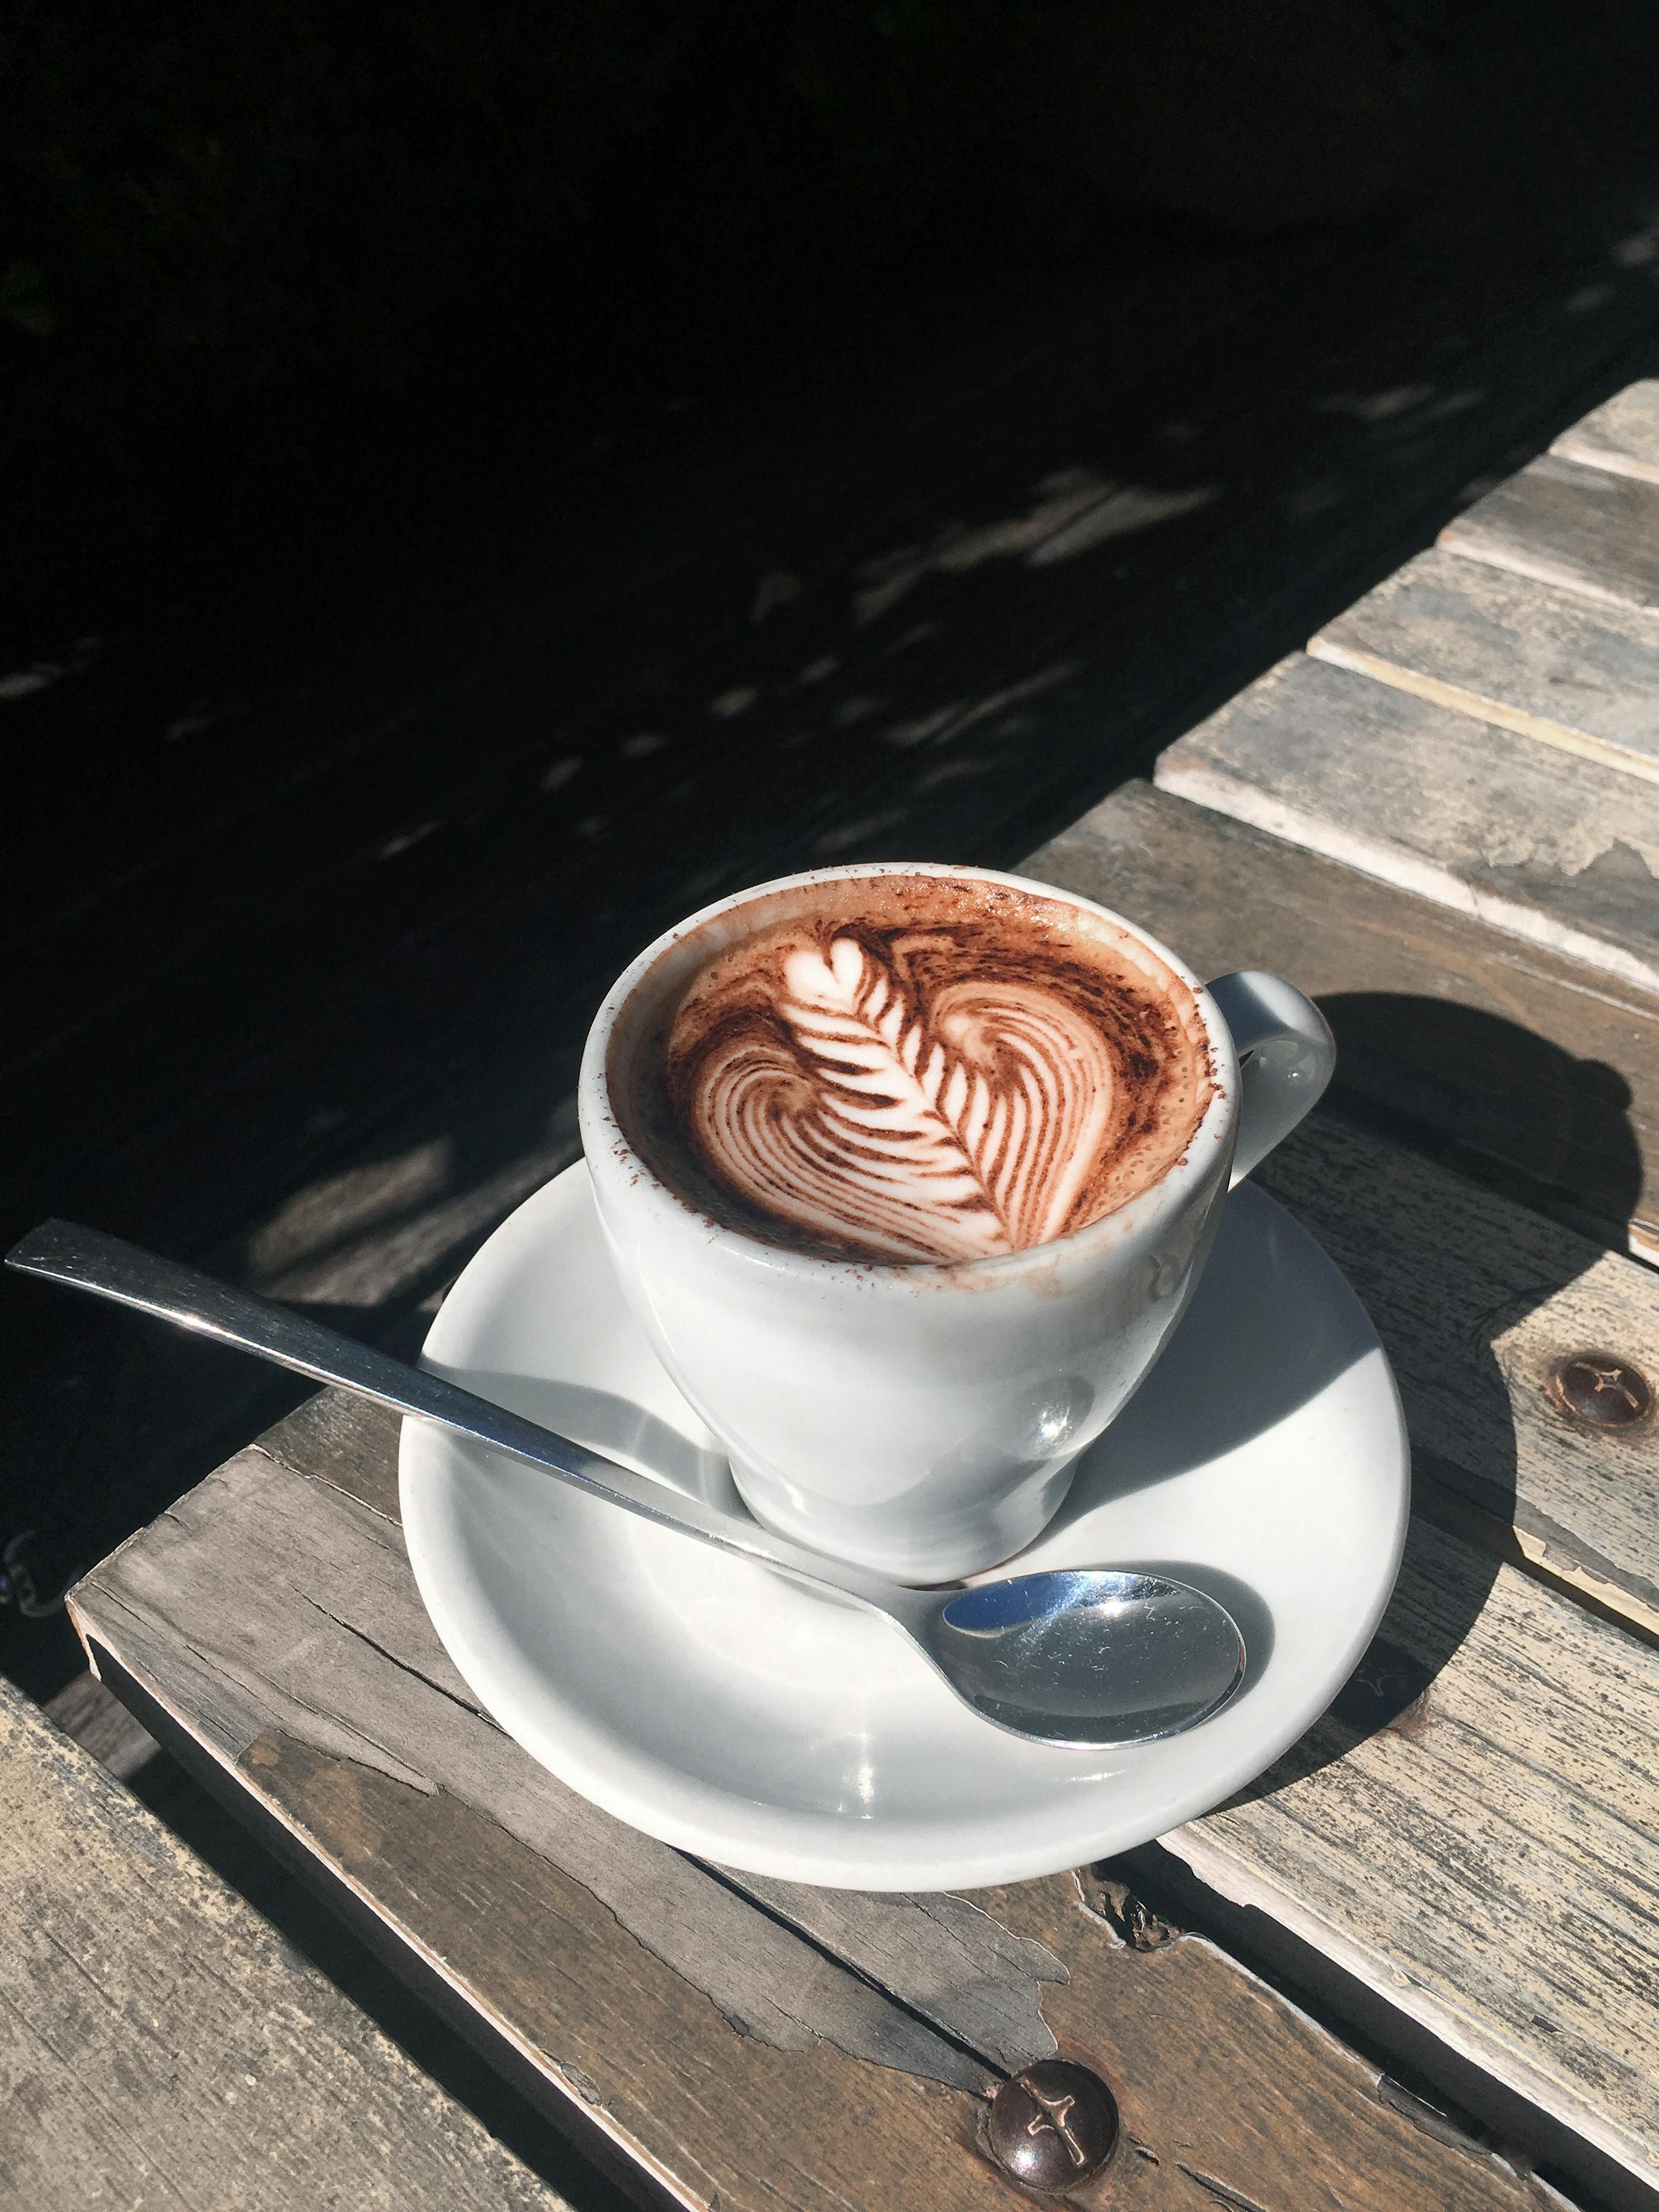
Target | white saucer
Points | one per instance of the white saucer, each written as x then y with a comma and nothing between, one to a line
739,1716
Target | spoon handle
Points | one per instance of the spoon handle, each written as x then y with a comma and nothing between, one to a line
108,1267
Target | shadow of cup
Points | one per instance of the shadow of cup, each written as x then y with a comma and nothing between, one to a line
1498,1099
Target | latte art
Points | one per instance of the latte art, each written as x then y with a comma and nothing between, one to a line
931,1081
944,1130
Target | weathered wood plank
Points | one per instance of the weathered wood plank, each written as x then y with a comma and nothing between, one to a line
330,1598
1166,2007
1524,1063
1224,2087
1477,1298
161,2045
1585,529
1548,664
1464,1033
1214,2075
1558,850
1622,436
1483,1857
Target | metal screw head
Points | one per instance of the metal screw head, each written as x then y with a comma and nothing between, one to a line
1600,1389
1052,2125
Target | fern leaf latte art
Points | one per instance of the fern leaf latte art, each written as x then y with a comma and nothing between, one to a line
941,1132
926,1069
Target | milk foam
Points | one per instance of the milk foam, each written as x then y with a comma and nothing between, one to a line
887,1092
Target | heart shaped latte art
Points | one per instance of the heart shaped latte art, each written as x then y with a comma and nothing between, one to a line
950,1130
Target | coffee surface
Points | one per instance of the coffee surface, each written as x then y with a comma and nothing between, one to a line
924,1069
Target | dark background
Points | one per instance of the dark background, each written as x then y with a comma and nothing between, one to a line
481,481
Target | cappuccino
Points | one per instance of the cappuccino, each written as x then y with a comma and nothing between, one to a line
918,1068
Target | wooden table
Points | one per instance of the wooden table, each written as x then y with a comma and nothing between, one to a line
161,2044
1420,1956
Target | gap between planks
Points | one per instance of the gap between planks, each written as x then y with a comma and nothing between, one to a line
1525,656
1554,849
1587,529
1622,434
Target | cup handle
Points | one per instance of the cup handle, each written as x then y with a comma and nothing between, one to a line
1286,1055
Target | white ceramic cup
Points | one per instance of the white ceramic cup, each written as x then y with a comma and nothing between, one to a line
924,1419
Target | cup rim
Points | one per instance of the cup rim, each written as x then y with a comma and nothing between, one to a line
1140,1215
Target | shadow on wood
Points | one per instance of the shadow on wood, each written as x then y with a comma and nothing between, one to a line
1537,1096
1506,1100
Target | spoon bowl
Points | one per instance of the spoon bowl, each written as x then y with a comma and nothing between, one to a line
1079,1656
1084,1656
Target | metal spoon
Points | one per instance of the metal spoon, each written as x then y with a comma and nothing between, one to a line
1071,1656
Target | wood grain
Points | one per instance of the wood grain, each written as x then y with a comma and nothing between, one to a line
1622,436
1586,529
1479,1848
1474,1294
328,1598
958,1967
1228,2093
1579,674
706,2110
1476,1299
1522,1065
1558,850
1237,2092
161,2044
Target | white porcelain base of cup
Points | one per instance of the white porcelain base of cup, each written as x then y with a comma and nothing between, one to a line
736,1714
936,1546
